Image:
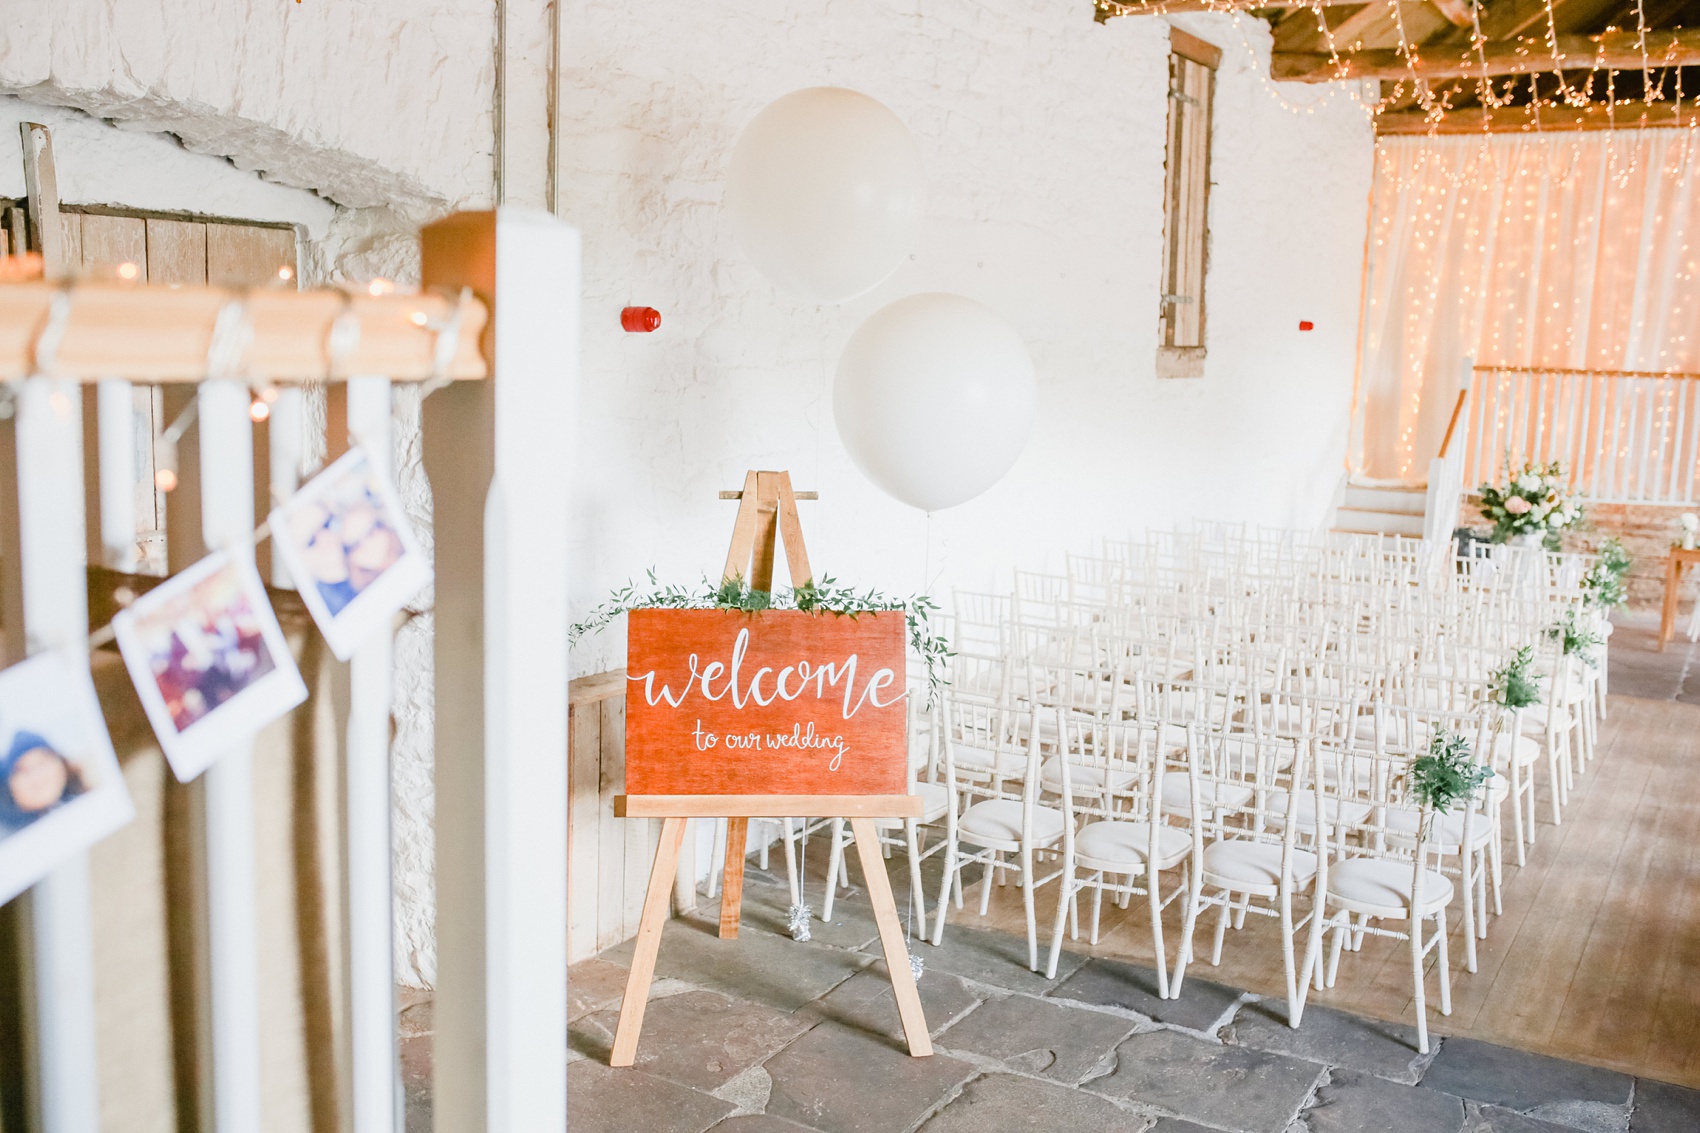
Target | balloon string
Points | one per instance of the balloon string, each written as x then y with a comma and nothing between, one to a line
927,556
820,402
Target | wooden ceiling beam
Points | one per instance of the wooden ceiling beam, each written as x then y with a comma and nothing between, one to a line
1518,119
1112,9
1457,12
1619,51
1351,29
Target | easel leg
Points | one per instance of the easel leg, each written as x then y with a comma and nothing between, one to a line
732,888
648,942
891,937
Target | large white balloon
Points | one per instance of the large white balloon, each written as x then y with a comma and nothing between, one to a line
825,192
934,399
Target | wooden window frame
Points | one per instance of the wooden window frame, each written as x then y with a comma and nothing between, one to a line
1186,206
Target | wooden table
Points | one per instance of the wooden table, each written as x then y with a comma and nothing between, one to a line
1679,558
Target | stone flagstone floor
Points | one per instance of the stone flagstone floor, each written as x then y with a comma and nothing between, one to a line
766,1035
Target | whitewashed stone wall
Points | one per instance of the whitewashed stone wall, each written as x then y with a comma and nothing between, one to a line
379,103
1043,136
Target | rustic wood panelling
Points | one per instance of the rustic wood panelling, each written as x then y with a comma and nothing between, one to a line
242,255
608,858
177,252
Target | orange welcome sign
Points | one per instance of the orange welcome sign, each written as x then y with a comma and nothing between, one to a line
780,702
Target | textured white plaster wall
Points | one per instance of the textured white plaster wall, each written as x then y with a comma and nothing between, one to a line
100,165
377,103
1043,137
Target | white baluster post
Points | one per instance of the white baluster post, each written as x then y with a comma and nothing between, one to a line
285,438
116,430
51,551
220,457
498,453
360,411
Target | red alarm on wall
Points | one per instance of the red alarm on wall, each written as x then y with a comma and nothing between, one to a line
640,320
1306,324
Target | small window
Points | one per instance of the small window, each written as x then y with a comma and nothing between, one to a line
1186,191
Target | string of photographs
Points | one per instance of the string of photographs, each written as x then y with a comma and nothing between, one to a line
208,659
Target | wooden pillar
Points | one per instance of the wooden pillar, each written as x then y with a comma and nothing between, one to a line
498,456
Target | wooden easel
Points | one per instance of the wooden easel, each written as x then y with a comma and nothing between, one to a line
767,513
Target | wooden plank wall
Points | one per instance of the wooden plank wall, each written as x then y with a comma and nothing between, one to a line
608,858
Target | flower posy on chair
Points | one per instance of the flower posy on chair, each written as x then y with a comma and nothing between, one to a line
350,550
60,787
208,660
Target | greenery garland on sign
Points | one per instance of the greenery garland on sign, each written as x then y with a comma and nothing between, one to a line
823,597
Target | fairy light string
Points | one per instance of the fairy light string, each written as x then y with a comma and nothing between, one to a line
1414,88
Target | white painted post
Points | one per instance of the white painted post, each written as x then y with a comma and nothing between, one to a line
376,1071
225,451
116,428
285,437
52,555
498,453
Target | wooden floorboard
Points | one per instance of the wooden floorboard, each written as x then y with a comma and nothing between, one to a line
1597,957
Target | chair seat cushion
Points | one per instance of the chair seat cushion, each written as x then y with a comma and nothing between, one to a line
1383,888
997,822
1241,864
983,761
1087,778
1122,846
1526,748
1446,834
936,800
1535,719
1394,729
1349,811
1177,793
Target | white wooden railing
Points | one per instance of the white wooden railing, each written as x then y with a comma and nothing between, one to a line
496,453
1625,436
1444,498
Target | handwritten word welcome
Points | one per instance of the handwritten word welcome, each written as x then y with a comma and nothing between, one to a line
787,684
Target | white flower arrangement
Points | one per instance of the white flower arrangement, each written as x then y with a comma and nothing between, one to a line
1537,500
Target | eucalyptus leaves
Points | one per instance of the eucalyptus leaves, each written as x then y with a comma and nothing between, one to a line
1577,637
824,597
1448,773
1515,685
1602,586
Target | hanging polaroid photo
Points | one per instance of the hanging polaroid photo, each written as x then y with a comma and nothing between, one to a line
208,660
349,550
60,787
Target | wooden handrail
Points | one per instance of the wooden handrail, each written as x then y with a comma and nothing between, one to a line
162,334
1587,373
1452,425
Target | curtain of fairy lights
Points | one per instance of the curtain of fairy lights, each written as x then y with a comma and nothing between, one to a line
1575,250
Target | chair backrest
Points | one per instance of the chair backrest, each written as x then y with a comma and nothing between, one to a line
990,747
1243,786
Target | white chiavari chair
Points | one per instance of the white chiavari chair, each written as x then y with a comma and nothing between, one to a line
1239,858
991,816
